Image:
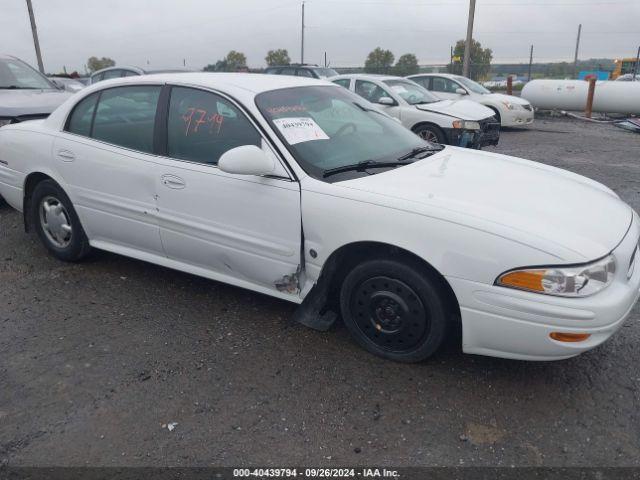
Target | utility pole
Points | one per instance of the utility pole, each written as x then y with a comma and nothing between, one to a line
530,62
635,67
34,31
467,44
302,37
325,59
575,58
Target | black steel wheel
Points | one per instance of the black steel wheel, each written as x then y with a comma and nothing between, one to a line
393,310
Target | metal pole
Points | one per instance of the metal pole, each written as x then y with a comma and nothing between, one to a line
590,93
34,31
467,45
530,62
451,61
575,58
635,67
302,41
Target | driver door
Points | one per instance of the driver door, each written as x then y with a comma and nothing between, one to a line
373,93
445,88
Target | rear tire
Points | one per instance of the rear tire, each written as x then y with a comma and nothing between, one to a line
56,222
393,310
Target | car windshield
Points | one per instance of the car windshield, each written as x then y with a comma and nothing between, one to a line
473,86
17,74
410,92
327,127
325,72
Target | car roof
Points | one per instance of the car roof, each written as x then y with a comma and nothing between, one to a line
252,83
432,74
368,76
117,67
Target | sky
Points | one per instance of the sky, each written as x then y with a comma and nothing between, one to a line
168,33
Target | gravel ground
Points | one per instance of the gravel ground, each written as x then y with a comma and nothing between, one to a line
96,359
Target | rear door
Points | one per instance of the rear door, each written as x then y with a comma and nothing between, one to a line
244,228
105,156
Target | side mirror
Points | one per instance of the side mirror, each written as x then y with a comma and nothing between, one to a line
246,160
386,101
461,91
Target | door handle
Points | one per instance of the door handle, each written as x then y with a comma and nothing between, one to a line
66,155
172,181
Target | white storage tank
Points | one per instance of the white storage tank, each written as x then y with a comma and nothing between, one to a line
610,97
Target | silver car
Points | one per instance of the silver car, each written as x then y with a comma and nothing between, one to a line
26,94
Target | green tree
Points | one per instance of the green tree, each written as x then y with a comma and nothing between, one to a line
480,59
277,57
407,64
379,61
235,61
94,63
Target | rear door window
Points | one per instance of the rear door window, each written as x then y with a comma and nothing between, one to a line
82,116
125,116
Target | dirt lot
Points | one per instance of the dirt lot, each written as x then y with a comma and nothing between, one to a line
95,358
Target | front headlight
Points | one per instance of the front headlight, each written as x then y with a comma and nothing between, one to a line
465,125
578,281
4,121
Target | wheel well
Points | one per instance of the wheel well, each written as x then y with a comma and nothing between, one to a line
30,183
347,257
495,111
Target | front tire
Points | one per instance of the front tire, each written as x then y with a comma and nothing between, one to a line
393,310
430,133
56,222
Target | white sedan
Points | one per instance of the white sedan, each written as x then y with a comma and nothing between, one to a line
452,122
510,110
298,189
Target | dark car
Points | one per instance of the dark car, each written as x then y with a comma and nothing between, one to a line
26,94
301,70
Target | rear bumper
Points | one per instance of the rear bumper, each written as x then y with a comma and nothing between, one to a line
503,322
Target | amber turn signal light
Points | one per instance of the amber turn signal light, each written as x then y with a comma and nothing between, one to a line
569,337
525,279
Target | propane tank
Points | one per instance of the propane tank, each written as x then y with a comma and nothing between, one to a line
610,96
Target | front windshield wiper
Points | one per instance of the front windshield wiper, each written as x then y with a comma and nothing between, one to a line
16,87
418,150
362,166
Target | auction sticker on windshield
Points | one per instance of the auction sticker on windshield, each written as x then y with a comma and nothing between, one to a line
300,129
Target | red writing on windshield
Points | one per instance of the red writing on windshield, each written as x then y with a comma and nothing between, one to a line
197,119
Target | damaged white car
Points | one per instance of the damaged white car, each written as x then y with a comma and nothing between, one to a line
299,189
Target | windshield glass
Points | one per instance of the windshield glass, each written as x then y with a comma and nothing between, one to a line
410,92
473,86
16,74
330,127
325,72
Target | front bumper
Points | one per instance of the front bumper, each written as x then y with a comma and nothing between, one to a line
489,134
503,322
517,118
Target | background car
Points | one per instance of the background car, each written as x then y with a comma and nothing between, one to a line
129,71
26,94
453,122
68,84
628,77
510,110
301,70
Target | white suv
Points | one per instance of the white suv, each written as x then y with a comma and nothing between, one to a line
453,122
511,111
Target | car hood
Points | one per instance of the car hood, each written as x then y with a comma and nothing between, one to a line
14,103
568,216
463,109
500,97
